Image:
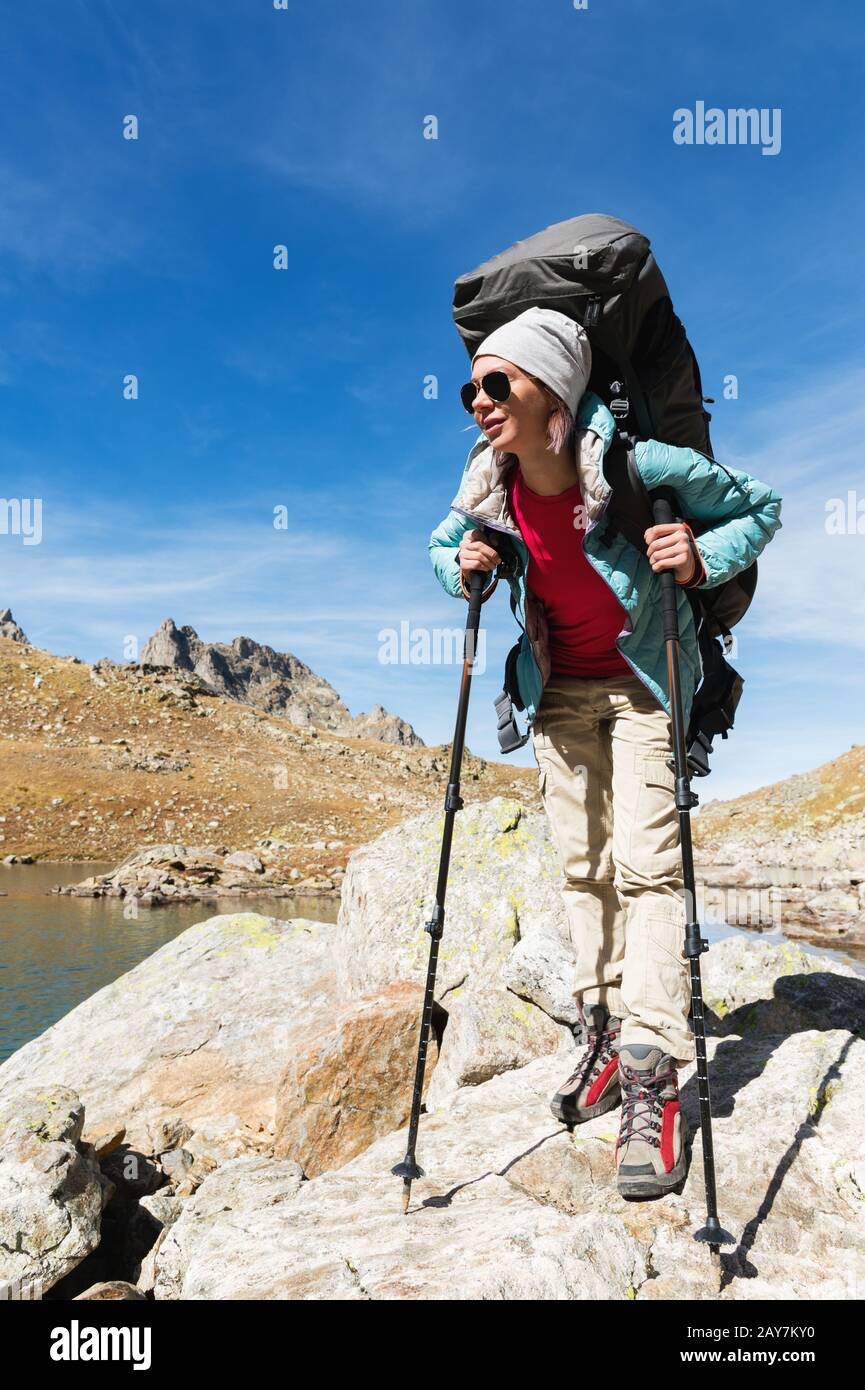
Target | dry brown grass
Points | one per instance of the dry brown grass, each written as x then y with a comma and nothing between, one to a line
255,774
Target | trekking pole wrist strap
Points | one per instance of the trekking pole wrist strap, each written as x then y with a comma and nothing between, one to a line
698,574
487,591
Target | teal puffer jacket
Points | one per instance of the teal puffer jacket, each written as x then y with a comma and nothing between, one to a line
742,515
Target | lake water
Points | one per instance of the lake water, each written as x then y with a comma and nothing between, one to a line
57,950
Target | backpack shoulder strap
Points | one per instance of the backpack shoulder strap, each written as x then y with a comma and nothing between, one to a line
629,510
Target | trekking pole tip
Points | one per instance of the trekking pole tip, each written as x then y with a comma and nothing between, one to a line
714,1235
408,1170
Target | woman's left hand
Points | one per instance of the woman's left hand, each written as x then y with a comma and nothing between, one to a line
669,549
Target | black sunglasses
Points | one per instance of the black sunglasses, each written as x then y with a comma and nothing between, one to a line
497,386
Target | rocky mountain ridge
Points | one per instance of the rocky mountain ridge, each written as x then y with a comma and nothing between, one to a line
10,629
276,682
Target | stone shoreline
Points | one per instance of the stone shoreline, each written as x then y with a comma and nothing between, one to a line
825,906
179,873
309,889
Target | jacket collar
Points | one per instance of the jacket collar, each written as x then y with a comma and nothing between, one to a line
483,495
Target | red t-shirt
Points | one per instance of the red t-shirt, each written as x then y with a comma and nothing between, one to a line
583,613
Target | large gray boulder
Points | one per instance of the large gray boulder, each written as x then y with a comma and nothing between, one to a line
756,987
505,960
252,1232
503,889
231,1040
265,1051
514,1207
490,1031
190,1047
52,1192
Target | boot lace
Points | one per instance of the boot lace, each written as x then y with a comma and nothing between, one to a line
643,1097
599,1051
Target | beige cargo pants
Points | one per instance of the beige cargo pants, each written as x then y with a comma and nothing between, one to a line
601,746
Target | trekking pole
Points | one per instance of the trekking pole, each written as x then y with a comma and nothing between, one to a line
408,1170
713,1233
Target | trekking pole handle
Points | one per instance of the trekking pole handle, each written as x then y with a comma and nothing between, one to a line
477,580
662,513
477,592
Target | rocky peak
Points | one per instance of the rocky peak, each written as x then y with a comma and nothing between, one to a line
278,682
10,629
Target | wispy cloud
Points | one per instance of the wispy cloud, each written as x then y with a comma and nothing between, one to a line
809,447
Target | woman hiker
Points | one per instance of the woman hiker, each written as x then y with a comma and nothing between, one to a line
592,667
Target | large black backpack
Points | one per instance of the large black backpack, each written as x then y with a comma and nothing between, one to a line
601,272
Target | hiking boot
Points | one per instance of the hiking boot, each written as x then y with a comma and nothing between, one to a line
593,1086
650,1151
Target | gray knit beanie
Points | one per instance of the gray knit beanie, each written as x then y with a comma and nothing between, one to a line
549,346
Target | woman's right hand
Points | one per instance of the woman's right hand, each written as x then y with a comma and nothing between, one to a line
476,554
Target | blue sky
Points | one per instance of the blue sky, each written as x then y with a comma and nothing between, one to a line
303,388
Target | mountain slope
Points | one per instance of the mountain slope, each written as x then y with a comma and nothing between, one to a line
96,761
818,813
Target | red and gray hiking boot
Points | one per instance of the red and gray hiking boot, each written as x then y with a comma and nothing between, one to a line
650,1152
593,1086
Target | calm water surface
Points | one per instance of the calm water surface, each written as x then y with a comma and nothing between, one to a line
55,950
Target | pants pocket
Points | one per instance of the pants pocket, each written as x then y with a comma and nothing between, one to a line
668,974
657,988
654,848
